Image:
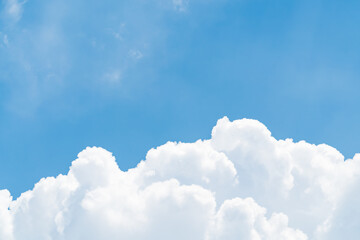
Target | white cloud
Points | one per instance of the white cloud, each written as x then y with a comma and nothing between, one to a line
14,9
113,76
6,40
135,54
180,5
240,184
244,218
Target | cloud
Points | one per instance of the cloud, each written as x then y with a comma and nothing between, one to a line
240,184
180,5
4,40
135,54
41,43
13,9
113,76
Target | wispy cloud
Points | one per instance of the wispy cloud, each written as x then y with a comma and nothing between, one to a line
13,9
4,40
113,76
181,5
47,45
135,54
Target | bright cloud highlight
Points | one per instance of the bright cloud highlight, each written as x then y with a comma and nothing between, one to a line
240,184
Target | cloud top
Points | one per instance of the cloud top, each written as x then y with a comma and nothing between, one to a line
240,184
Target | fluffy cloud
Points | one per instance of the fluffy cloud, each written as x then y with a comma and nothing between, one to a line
240,184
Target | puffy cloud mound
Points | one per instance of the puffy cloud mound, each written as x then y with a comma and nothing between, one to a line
240,184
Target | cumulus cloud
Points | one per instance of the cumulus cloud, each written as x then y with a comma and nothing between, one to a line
240,184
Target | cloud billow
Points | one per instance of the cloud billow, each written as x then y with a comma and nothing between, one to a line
240,184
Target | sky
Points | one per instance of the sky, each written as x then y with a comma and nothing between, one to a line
129,76
132,75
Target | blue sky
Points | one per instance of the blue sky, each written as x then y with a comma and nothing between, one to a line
132,75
